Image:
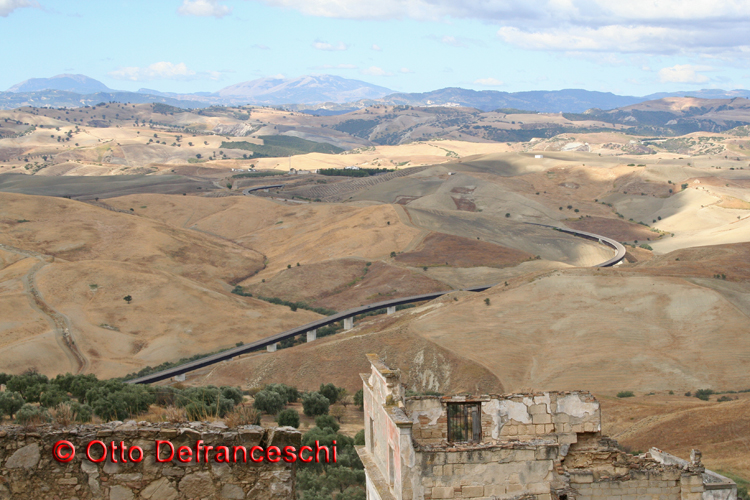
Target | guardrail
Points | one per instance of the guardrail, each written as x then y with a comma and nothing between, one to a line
348,315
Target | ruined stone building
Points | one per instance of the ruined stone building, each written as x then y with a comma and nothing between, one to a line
522,446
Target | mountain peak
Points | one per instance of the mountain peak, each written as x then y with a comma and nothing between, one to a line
80,84
306,89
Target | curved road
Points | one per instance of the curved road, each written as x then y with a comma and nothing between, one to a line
247,191
350,313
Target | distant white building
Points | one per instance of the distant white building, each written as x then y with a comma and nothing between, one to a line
352,167
538,156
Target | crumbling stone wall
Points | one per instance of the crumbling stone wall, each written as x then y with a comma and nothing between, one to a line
515,417
541,446
492,472
28,469
655,485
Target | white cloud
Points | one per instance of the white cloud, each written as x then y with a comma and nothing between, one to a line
375,71
8,6
376,47
162,71
637,26
321,45
683,73
488,82
260,46
203,8
405,70
452,40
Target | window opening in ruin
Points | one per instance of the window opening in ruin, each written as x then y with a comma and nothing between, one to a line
372,434
464,422
391,465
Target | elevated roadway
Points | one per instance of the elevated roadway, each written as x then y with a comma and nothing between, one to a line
348,316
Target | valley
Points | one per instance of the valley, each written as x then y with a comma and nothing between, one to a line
150,204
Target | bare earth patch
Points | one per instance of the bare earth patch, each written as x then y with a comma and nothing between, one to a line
616,229
439,249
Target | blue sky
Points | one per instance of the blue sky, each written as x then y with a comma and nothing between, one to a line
636,48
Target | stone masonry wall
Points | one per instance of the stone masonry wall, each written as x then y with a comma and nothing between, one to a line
489,473
510,418
642,485
28,469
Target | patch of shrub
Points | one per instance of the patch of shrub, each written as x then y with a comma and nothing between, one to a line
242,415
703,394
10,403
288,417
327,422
269,402
290,394
32,415
314,403
625,394
330,391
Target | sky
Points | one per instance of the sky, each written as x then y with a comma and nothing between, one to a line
634,47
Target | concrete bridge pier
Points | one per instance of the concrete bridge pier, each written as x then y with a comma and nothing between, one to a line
349,323
272,347
265,190
179,378
312,335
391,309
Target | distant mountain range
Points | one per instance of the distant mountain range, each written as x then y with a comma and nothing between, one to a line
326,94
79,84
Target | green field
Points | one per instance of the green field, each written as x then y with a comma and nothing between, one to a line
282,145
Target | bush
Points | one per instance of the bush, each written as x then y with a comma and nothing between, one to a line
314,403
10,403
359,438
242,415
337,411
81,413
197,410
724,398
703,394
289,393
234,394
32,415
625,394
81,384
72,411
53,397
359,399
165,396
63,414
327,422
30,384
288,417
115,400
110,408
330,391
269,402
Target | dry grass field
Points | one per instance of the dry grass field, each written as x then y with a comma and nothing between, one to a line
176,240
676,423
